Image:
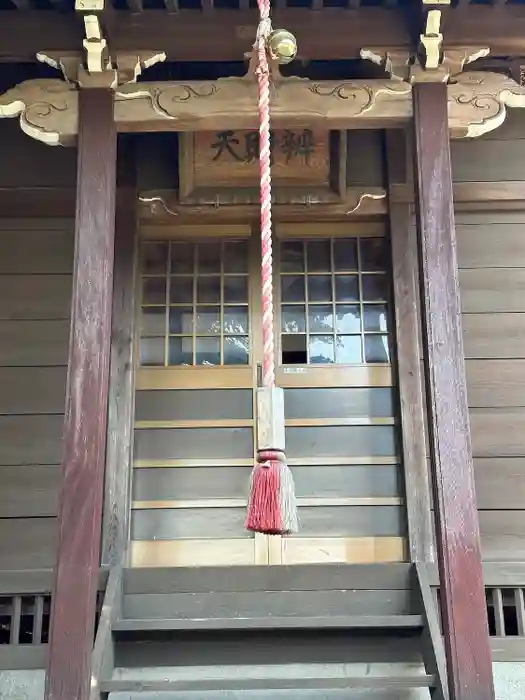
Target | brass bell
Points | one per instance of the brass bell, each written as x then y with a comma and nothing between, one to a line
282,46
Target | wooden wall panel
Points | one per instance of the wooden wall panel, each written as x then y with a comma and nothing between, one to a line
500,483
491,251
36,259
494,336
496,383
27,163
497,156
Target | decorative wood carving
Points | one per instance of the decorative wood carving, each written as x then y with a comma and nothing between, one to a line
478,101
48,109
163,205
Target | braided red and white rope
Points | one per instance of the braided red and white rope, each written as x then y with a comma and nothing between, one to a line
263,80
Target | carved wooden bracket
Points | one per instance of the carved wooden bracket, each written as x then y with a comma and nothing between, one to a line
96,66
48,109
121,68
404,65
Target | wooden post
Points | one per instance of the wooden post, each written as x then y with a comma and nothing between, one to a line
81,496
469,663
121,402
404,266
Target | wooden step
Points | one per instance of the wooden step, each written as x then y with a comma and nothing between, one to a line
390,682
269,623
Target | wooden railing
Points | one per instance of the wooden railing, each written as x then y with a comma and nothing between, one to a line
25,608
505,595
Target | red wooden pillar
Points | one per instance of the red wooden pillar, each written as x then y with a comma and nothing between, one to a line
82,490
456,518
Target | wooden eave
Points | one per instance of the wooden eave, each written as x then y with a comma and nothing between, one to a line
213,31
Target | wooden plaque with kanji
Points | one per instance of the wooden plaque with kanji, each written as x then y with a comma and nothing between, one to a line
223,167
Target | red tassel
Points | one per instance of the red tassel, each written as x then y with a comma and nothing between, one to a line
264,506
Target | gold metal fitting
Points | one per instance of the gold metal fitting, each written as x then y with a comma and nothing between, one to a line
282,45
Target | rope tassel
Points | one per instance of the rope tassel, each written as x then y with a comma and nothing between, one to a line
272,507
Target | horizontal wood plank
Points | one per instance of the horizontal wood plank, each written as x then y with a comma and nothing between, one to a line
27,543
496,383
500,483
267,603
494,336
36,251
498,432
224,523
487,160
29,491
482,245
502,535
324,481
194,405
35,297
33,343
493,290
238,552
31,440
32,390
271,578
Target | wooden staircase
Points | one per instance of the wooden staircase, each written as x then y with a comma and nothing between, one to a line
337,632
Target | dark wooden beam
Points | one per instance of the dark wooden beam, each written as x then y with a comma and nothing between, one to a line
404,265
121,385
327,34
466,635
82,491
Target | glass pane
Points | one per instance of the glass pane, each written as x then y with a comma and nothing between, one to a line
321,349
345,254
236,350
154,258
180,351
235,320
294,349
374,287
236,290
319,288
208,319
181,319
292,288
348,350
208,351
153,320
208,290
181,290
375,317
292,256
373,254
208,258
348,319
319,256
321,319
376,348
153,290
293,319
236,257
182,258
346,288
152,351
